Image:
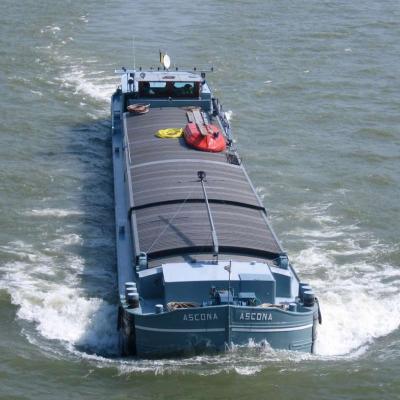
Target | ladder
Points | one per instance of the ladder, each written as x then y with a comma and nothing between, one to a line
195,116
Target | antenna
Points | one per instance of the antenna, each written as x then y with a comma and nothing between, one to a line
202,175
133,49
165,59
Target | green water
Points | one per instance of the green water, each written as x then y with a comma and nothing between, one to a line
313,91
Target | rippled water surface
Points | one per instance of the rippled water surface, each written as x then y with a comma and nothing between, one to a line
313,90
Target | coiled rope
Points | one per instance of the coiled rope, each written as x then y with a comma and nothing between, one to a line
170,133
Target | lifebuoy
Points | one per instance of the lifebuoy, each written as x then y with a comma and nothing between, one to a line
138,108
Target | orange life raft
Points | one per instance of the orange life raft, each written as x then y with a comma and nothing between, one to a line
209,138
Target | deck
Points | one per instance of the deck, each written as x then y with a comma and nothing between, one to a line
169,214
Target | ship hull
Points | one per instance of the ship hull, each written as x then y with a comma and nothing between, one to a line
214,329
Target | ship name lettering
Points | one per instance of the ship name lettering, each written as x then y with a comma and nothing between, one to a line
200,317
255,316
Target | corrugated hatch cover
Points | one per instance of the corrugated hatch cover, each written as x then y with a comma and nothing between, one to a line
168,202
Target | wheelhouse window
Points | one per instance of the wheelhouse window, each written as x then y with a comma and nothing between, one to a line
184,89
152,89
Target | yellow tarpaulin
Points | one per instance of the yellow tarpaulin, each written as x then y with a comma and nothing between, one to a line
170,133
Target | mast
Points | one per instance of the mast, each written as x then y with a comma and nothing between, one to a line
202,175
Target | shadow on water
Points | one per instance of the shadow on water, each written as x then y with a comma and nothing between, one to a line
90,148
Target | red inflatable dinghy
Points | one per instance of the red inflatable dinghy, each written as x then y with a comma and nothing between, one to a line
207,138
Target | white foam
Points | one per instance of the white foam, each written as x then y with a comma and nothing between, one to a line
352,319
357,306
53,212
98,88
54,29
67,240
359,296
51,296
242,360
229,114
248,370
261,192
37,92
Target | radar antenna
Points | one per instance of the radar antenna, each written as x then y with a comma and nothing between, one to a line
165,60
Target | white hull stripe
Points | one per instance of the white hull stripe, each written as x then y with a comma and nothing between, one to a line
247,329
147,328
250,330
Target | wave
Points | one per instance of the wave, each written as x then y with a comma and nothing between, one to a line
89,83
344,266
64,302
356,311
359,297
48,290
53,29
53,212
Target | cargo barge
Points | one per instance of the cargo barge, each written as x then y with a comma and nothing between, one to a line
199,266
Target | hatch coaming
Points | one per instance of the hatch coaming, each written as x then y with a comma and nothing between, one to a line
166,201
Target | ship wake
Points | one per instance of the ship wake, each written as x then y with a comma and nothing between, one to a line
359,297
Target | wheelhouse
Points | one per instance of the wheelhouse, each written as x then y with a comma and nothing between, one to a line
166,89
